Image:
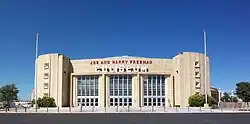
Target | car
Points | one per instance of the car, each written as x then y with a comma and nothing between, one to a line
26,105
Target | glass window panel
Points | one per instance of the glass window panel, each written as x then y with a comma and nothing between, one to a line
116,77
149,92
96,92
154,92
120,92
79,78
158,92
86,77
130,92
116,92
83,92
87,92
163,93
78,82
116,83
111,92
125,93
78,92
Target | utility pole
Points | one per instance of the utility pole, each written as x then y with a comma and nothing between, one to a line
36,71
205,65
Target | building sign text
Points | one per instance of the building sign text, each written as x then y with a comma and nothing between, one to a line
106,62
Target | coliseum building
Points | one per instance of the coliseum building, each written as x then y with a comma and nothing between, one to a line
122,81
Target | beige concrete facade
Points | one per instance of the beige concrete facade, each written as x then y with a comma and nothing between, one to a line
180,77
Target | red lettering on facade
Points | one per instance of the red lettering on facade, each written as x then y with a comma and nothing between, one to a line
121,62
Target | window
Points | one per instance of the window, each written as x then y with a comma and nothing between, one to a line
46,76
196,64
46,65
154,90
87,90
120,90
46,86
197,84
197,74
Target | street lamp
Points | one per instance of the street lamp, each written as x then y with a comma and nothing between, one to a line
219,97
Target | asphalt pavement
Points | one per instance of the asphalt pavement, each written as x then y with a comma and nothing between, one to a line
125,118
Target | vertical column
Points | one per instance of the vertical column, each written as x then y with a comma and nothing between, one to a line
141,91
135,91
107,94
71,92
101,91
170,91
167,79
74,90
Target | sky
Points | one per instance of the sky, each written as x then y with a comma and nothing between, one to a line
105,28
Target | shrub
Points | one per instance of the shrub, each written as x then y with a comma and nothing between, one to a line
45,102
196,100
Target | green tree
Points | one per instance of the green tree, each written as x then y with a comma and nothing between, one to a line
243,91
226,97
8,94
234,99
46,102
211,101
196,100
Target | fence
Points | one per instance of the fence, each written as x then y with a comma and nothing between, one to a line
122,110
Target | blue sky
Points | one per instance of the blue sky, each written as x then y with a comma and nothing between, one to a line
149,28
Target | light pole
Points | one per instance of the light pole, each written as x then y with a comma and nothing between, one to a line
219,93
36,71
205,66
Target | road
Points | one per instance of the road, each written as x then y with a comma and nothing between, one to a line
125,118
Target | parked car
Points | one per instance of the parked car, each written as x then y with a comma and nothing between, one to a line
27,105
